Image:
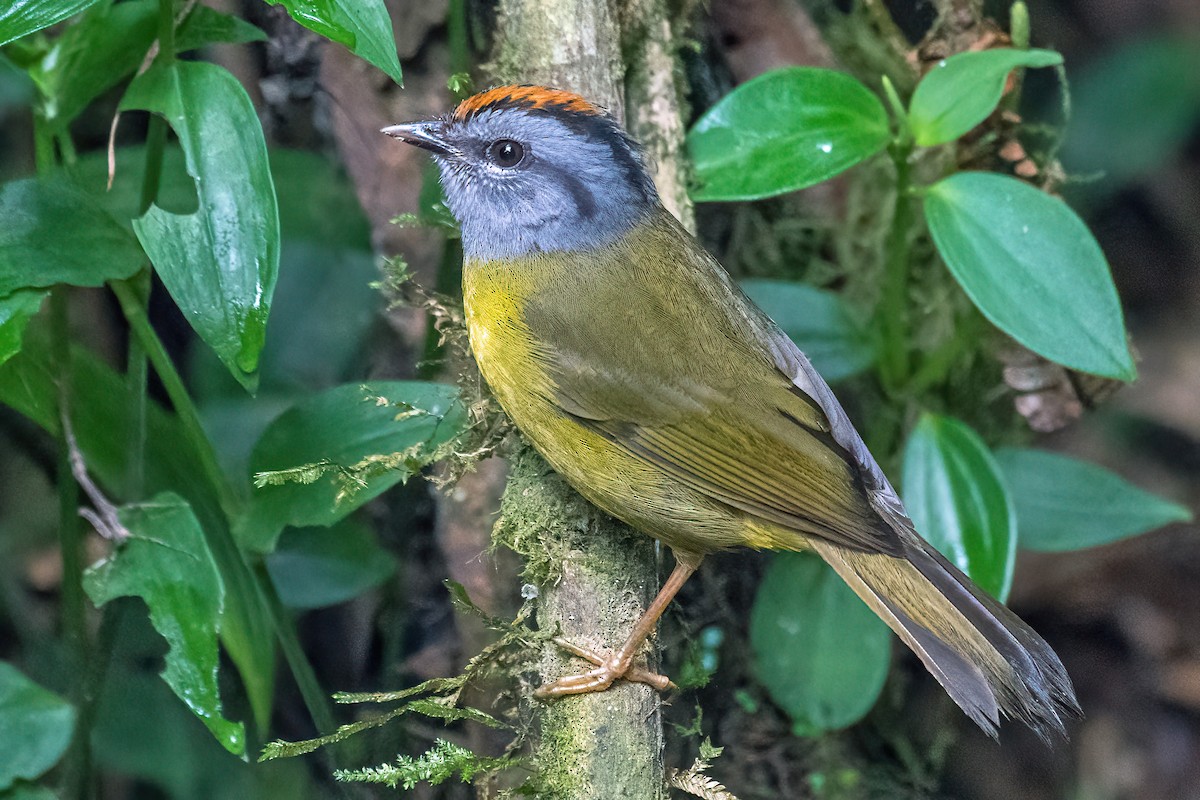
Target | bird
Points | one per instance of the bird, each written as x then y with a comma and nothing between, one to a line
630,359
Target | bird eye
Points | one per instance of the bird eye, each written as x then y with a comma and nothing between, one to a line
506,153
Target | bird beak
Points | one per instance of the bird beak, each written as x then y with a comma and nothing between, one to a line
426,135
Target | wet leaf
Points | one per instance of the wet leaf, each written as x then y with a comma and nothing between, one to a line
963,90
955,494
22,17
102,417
166,562
783,131
219,263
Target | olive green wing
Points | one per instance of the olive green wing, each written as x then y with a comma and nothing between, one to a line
746,437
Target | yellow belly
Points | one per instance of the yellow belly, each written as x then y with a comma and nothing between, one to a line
512,362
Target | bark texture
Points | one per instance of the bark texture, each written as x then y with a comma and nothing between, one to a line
595,575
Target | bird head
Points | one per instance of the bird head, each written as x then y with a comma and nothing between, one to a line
529,169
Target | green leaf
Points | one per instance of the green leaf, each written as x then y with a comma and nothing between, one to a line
350,448
819,322
819,650
955,494
53,233
22,17
109,43
963,90
102,417
220,263
1064,504
167,563
362,26
316,567
204,26
1033,268
16,310
1134,108
93,55
783,131
35,727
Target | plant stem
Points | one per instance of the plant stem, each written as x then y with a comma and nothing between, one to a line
302,672
894,300
230,502
74,620
189,417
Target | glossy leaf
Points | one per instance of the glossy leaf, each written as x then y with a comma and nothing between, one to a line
204,26
1133,109
35,727
782,131
22,17
166,562
110,43
818,322
93,55
16,310
1065,504
961,91
316,567
362,26
1033,268
339,429
819,650
53,232
102,417
220,263
956,497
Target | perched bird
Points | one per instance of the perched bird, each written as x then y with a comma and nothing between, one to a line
635,365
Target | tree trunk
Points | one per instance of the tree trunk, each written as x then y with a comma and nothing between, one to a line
594,576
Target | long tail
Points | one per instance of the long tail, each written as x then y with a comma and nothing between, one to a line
988,660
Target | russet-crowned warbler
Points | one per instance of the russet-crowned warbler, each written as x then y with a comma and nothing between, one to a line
634,364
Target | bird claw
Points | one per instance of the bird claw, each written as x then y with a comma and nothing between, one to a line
608,670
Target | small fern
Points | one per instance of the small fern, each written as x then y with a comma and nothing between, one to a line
438,764
693,780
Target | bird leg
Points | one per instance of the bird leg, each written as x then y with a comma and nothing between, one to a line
620,664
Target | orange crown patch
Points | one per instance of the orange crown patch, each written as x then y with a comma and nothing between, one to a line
538,97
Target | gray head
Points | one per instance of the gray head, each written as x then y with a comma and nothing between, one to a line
530,169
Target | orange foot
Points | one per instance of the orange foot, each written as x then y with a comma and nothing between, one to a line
618,665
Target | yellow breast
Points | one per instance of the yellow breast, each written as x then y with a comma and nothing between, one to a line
513,360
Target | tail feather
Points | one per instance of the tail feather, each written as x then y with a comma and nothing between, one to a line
990,662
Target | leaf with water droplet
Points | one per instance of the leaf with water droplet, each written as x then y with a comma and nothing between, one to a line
962,90
783,131
166,562
220,262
